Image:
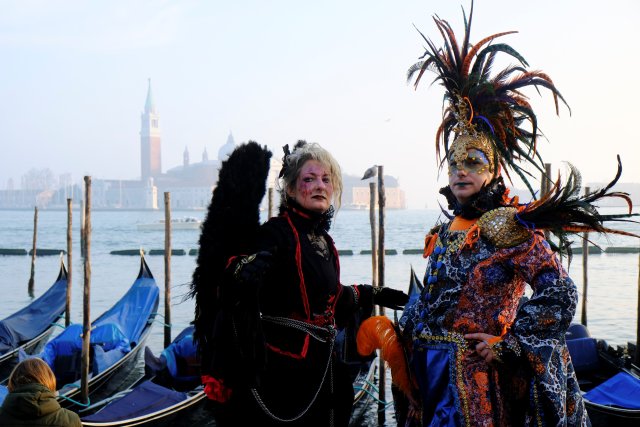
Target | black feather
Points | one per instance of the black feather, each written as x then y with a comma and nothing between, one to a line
564,212
230,228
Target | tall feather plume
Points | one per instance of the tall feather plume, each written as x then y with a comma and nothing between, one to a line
230,228
378,332
564,211
499,108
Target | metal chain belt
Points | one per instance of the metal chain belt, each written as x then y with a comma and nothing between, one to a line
313,330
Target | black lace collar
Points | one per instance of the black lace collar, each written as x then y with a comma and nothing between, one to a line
489,197
317,221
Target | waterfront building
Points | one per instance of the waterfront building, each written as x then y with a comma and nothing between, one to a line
190,184
357,194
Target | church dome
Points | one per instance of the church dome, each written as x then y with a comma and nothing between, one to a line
227,148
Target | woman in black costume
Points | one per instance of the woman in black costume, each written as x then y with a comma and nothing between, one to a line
269,356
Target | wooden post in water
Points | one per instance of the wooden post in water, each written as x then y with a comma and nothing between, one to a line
67,311
167,269
382,370
82,214
374,242
86,309
545,187
33,253
381,204
585,262
270,196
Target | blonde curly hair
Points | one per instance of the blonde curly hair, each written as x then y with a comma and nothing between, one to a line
293,162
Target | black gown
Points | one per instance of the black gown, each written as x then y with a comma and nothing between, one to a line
298,375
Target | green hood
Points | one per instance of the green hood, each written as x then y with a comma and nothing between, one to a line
30,401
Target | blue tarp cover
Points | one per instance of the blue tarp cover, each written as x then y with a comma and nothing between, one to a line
182,347
149,397
113,333
35,318
142,400
132,312
622,391
584,353
3,393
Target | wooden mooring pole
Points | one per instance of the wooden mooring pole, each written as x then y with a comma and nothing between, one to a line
86,309
167,269
545,187
67,311
270,196
33,253
82,226
585,263
382,371
374,242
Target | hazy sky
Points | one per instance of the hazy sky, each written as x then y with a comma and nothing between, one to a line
73,81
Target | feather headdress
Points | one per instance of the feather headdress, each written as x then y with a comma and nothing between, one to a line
488,111
484,110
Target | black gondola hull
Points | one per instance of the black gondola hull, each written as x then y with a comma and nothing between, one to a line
9,360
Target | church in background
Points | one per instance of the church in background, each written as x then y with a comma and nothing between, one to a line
190,184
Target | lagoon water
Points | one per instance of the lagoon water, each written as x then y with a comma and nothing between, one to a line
612,278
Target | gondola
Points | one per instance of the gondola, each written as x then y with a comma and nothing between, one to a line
28,330
363,384
170,393
117,337
610,382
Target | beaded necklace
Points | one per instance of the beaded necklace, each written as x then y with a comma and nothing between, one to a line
454,235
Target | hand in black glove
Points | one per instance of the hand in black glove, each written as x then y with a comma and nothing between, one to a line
250,269
390,298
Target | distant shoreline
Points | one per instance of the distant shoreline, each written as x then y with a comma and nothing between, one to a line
343,208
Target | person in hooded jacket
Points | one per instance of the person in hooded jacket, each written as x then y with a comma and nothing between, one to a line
32,398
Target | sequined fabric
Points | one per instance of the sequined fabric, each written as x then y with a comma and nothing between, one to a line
501,227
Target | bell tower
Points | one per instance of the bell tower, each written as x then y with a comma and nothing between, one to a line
185,157
150,159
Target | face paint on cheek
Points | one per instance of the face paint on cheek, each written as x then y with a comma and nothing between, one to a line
305,188
304,192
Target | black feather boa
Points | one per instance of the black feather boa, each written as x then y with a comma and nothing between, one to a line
319,221
489,197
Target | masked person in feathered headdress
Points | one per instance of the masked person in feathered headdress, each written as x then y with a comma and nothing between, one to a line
269,298
478,357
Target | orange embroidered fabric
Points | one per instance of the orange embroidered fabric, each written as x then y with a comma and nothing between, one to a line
429,243
460,223
472,237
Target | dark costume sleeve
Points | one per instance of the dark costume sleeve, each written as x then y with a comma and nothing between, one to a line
354,300
538,332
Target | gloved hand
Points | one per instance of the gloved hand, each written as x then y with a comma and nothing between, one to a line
250,269
390,298
386,297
